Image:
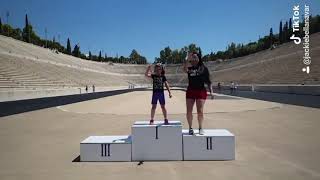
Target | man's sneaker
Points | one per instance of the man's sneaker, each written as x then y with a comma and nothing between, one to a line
166,122
191,131
151,121
201,131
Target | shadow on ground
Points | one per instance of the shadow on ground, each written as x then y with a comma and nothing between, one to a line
21,106
293,99
77,159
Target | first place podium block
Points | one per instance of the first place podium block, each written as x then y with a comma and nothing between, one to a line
157,142
214,144
106,148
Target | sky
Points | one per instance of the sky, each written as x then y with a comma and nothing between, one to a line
117,26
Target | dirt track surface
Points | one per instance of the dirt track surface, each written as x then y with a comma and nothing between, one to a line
273,141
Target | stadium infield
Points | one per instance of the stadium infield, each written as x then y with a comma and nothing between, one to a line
273,140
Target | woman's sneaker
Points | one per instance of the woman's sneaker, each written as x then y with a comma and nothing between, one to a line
151,122
166,122
201,131
191,131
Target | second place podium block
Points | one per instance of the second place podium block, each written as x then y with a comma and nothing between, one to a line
156,142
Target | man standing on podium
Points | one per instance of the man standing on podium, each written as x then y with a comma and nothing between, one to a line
198,76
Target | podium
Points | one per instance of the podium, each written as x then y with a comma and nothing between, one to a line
160,142
157,142
214,144
106,148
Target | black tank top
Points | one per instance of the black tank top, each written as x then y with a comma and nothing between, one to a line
198,76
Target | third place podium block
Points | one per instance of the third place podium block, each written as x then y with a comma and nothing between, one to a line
156,142
106,148
214,144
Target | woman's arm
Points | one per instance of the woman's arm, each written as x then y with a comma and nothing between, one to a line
208,82
185,63
148,71
185,68
210,88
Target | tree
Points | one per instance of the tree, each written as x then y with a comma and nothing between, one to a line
27,30
200,52
122,59
168,55
143,60
90,55
116,59
183,53
134,56
28,35
16,33
68,47
230,53
0,26
192,48
76,51
280,33
317,23
285,32
176,57
270,37
100,57
220,55
6,29
314,24
162,58
233,50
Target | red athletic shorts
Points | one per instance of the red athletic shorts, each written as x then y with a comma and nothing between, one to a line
196,94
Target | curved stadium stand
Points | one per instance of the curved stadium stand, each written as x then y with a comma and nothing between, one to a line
28,67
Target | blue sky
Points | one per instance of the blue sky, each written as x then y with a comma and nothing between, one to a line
118,26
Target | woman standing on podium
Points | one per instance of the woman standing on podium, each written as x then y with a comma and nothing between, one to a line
198,76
